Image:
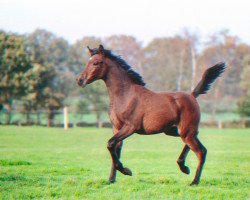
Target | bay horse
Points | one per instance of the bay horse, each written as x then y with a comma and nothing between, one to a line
136,109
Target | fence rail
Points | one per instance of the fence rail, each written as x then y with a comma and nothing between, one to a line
91,118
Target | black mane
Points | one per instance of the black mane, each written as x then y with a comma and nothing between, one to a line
136,77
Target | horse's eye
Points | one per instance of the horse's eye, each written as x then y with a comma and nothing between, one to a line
97,63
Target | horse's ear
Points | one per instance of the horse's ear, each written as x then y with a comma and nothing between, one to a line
91,51
101,49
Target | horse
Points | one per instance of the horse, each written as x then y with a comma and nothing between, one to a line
136,109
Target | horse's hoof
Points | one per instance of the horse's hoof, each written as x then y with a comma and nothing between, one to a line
111,181
127,171
182,167
194,182
185,170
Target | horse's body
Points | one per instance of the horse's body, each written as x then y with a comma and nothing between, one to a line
153,112
136,109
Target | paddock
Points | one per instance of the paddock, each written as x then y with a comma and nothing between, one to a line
39,162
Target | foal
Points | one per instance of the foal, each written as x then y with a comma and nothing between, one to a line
136,109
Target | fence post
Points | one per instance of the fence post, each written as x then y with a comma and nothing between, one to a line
65,115
220,126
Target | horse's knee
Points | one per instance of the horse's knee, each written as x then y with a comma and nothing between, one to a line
111,144
119,145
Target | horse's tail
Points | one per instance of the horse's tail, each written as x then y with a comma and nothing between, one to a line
208,78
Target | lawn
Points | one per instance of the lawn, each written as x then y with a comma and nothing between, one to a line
50,163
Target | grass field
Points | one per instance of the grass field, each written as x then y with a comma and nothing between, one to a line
42,163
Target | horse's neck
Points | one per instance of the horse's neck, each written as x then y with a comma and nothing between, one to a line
118,85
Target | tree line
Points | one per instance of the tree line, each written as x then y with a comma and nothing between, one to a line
38,70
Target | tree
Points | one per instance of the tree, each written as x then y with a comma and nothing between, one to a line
96,97
79,54
30,100
244,102
40,94
244,107
50,54
126,46
227,48
166,63
15,68
82,107
192,42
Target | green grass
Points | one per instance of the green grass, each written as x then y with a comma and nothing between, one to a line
42,163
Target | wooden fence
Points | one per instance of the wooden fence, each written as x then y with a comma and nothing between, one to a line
64,118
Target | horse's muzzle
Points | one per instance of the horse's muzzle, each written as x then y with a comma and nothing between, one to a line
80,82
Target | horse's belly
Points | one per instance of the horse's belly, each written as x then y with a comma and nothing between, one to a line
158,123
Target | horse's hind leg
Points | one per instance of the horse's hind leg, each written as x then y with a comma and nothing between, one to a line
118,150
182,158
195,145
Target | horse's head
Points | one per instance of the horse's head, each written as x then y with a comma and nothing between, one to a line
96,67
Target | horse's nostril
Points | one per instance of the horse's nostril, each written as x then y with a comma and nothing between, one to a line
80,81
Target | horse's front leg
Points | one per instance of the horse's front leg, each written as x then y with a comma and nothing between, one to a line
118,150
123,133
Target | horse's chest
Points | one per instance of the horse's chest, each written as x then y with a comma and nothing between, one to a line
123,113
116,119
